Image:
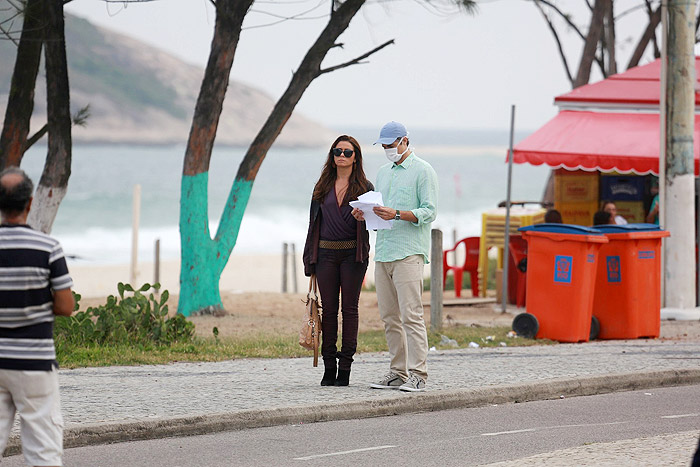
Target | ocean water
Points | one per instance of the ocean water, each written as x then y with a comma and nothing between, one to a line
95,218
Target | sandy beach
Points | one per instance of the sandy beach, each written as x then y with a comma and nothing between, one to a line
243,273
251,294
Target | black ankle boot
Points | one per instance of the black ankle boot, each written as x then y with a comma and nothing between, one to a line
328,377
343,378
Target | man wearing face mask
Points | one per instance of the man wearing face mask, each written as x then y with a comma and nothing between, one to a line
409,188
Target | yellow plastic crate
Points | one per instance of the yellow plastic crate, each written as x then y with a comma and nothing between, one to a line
493,230
632,211
576,186
577,213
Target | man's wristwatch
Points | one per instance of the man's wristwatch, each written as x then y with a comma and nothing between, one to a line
398,215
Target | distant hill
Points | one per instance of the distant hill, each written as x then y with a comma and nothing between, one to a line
140,94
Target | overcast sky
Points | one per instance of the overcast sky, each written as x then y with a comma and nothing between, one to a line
445,71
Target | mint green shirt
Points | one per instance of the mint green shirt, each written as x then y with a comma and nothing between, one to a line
410,186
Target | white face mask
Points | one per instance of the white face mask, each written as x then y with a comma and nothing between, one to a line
393,153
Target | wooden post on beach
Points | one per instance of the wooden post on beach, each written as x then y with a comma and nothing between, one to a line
136,214
284,267
294,269
436,280
156,263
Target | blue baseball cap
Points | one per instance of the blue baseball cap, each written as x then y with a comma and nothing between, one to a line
391,132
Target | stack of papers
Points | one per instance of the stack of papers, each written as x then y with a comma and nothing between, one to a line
366,203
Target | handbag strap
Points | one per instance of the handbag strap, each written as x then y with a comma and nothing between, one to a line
313,285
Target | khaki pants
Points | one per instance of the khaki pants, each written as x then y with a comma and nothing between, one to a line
34,395
399,289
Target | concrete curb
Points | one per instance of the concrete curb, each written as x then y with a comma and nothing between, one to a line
403,403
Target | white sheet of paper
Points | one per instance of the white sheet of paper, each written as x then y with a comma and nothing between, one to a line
365,203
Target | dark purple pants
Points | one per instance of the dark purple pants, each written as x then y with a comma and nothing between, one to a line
339,275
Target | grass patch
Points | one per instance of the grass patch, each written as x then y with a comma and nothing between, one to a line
134,328
211,349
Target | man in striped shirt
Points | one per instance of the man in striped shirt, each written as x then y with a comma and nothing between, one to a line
409,189
34,286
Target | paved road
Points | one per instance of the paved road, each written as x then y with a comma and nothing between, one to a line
118,403
648,427
113,404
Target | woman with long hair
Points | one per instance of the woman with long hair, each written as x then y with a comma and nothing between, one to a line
337,251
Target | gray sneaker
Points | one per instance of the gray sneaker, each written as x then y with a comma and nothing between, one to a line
413,384
389,381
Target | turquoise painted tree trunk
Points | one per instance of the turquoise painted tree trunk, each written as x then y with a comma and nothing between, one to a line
203,257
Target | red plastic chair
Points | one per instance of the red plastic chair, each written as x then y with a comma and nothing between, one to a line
518,251
471,265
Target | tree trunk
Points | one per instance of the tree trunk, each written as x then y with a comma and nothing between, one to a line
589,49
20,103
610,37
203,259
649,34
309,70
54,178
200,264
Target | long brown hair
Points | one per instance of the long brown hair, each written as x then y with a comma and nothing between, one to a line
358,180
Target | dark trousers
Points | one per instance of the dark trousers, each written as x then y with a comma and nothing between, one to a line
339,275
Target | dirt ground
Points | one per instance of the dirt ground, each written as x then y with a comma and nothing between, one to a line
255,312
250,313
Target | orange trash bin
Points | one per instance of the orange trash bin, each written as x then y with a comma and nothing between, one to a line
627,297
561,268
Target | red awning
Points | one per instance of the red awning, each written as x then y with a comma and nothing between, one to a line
639,85
605,141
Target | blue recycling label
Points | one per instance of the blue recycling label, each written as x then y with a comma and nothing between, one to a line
562,268
646,254
590,258
613,268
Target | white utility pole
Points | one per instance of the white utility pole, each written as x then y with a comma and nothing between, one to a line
679,186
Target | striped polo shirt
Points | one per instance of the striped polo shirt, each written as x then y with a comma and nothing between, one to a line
409,186
31,265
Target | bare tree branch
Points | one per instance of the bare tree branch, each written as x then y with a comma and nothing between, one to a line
80,118
8,23
589,49
609,37
565,17
557,40
36,137
630,10
434,7
648,35
282,18
356,60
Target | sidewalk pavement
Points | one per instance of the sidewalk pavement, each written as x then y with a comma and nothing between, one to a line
103,405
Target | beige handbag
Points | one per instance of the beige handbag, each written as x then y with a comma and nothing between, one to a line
310,333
